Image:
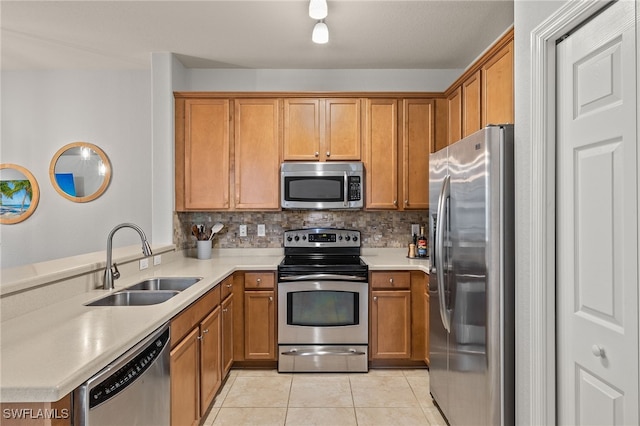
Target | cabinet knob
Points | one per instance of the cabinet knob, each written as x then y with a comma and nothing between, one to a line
395,203
597,351
270,298
225,310
391,280
258,281
205,331
375,298
406,202
328,154
317,154
199,337
229,285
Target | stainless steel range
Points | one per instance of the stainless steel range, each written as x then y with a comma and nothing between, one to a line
323,302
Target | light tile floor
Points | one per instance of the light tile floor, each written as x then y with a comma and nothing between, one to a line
379,397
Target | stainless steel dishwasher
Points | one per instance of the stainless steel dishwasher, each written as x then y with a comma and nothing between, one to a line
135,389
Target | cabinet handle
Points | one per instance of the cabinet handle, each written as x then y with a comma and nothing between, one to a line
328,154
317,154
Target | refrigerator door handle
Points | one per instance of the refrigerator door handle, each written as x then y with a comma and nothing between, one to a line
445,192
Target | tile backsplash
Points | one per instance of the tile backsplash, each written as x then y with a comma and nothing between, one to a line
378,228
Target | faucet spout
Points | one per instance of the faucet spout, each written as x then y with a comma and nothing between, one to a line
109,274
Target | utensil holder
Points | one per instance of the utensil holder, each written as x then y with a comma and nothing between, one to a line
204,249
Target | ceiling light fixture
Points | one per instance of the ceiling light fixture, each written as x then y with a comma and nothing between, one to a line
320,33
318,9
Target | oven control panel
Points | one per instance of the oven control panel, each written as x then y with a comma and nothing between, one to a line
322,237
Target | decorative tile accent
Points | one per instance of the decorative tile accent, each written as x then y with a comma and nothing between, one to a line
380,229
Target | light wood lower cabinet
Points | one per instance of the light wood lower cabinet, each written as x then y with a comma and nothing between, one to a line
259,325
185,392
397,311
227,334
210,366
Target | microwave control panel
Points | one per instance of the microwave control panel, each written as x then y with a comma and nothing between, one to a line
355,188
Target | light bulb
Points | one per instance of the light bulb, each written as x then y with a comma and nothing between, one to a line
320,33
318,9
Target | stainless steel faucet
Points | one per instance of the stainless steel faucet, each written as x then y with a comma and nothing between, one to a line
111,271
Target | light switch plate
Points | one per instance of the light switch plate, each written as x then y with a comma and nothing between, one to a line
415,229
157,259
261,230
243,230
144,263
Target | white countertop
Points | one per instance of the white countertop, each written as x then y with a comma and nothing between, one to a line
47,353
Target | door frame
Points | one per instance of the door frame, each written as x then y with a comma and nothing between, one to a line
538,294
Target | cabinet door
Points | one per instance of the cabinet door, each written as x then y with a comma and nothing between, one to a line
454,101
259,325
227,334
206,154
210,368
341,130
257,153
381,154
185,392
471,119
301,129
391,324
417,138
497,82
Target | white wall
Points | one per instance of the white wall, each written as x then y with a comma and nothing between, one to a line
45,110
388,80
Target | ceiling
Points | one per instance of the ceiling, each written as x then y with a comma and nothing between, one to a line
262,34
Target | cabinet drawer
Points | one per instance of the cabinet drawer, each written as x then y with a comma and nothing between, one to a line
391,280
182,323
259,280
226,287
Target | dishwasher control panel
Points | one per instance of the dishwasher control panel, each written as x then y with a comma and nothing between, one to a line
129,372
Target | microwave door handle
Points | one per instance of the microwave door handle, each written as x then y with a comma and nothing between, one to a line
346,189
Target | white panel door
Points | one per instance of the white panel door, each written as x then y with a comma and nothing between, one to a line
597,223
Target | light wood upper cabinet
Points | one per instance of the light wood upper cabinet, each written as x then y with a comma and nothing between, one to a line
417,140
342,120
202,154
321,129
257,153
454,104
381,153
471,117
497,86
301,129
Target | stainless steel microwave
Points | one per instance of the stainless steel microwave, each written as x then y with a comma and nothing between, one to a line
322,185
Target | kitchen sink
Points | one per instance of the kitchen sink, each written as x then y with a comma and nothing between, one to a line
169,283
134,298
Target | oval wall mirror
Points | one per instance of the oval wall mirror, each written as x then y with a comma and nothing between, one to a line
19,191
80,172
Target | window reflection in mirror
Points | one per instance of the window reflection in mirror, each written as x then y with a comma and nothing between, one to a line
19,193
80,172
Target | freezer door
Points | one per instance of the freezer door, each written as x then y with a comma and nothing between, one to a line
438,335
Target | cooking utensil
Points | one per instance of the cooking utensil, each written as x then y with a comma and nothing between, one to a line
215,229
195,232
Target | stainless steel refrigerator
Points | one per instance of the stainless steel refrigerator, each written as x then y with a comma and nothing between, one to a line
471,281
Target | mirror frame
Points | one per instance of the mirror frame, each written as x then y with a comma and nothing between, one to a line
105,181
35,194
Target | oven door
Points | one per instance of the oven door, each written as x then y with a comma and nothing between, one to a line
323,312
